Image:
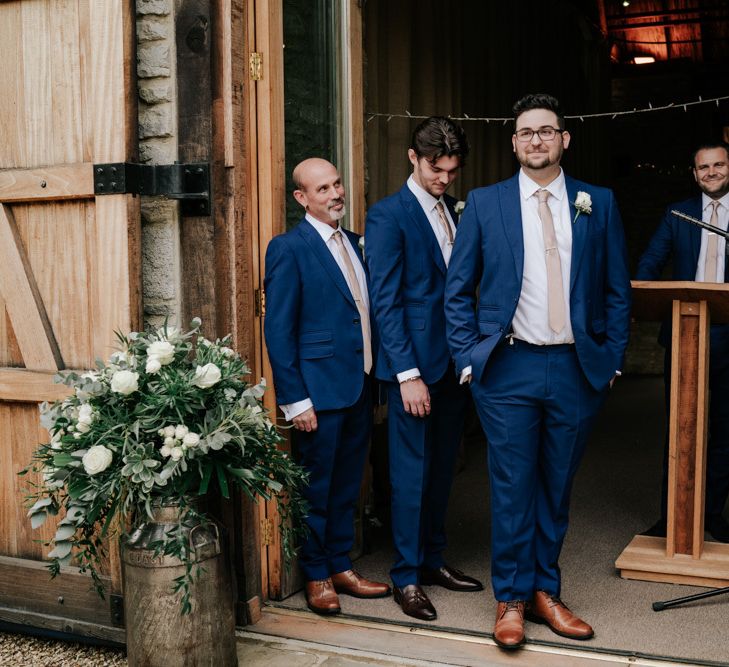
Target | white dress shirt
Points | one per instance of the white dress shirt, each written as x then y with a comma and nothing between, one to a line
531,319
722,212
427,203
326,232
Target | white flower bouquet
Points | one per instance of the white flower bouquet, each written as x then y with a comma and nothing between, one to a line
169,417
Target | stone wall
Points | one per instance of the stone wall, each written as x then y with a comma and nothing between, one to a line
156,78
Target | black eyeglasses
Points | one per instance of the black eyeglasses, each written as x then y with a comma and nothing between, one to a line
546,133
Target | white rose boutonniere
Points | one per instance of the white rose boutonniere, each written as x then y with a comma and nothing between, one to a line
583,204
360,243
458,208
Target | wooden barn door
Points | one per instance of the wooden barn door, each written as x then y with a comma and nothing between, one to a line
69,261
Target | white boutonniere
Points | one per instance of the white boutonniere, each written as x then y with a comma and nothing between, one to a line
360,243
458,208
583,204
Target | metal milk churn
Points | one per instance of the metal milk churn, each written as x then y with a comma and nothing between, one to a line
158,635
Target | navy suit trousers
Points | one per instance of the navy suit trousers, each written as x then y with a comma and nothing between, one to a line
334,456
423,452
537,409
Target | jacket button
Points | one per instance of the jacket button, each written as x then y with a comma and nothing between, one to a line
355,321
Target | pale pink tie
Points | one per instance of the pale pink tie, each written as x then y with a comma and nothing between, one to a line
555,289
364,316
712,247
444,221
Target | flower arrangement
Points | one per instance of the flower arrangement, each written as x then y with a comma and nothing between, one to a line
169,417
583,204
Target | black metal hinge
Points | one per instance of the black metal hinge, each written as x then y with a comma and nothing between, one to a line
190,183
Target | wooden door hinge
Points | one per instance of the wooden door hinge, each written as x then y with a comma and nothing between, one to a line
255,65
260,302
266,532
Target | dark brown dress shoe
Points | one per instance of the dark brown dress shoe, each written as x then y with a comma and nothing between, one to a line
450,578
352,583
415,602
509,626
321,597
549,609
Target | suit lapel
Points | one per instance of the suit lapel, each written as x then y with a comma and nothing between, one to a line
511,219
694,230
417,215
322,253
580,229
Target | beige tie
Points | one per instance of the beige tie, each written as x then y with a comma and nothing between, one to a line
364,316
555,293
444,221
712,247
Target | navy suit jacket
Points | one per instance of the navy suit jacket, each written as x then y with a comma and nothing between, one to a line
678,239
489,257
407,276
312,325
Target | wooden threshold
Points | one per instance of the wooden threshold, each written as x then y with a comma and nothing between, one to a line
390,640
645,559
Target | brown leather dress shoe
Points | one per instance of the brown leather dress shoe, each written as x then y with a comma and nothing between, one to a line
352,583
509,626
321,597
415,602
450,578
549,609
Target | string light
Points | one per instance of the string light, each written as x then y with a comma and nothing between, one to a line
505,119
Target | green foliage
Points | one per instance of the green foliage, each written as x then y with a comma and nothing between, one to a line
169,416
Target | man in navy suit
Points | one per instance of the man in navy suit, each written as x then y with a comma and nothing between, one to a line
318,335
538,308
409,239
699,255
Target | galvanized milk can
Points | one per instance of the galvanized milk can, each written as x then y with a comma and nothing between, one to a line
158,635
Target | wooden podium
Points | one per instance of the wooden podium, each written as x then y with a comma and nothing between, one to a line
682,557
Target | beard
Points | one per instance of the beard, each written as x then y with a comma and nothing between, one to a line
337,215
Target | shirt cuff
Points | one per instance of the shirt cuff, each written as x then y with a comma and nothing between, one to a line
292,410
407,375
465,375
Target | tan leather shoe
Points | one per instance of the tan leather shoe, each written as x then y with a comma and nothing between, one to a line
549,609
321,597
352,583
509,627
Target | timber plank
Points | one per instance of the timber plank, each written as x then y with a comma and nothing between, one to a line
37,128
11,102
23,300
68,181
21,385
70,594
64,624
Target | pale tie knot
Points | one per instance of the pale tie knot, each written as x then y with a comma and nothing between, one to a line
543,196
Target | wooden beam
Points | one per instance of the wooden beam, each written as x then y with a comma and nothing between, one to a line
23,300
17,384
68,181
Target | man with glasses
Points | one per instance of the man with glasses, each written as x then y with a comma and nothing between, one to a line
537,308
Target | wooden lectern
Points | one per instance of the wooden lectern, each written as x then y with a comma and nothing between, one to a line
682,557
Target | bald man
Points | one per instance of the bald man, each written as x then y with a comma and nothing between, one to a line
317,330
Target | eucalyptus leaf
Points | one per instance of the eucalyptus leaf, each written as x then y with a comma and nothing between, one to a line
63,549
37,519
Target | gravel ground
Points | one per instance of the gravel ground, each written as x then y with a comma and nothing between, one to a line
24,651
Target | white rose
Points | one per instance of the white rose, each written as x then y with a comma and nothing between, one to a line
125,382
162,350
170,442
227,352
153,365
165,450
181,431
206,376
83,427
176,453
169,333
168,431
97,459
85,414
191,439
56,440
583,202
